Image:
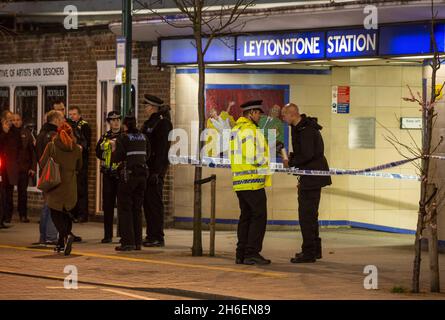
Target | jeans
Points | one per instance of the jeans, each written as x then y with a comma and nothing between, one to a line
48,231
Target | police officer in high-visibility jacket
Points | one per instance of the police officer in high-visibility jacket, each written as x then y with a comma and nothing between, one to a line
132,150
249,158
109,172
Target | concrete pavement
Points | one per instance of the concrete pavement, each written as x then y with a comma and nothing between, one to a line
32,272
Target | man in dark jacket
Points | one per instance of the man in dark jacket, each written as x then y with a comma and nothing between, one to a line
4,129
27,166
308,154
157,129
82,131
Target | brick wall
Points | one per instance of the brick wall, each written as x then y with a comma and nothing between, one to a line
82,49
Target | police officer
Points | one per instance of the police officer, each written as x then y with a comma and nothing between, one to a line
249,159
82,131
132,150
109,172
157,129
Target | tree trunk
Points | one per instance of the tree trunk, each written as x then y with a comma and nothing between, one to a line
197,210
425,194
433,254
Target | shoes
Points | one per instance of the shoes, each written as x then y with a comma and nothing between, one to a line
8,221
51,243
76,238
153,243
69,245
3,226
303,259
24,220
106,240
138,248
257,259
59,249
75,220
239,260
125,248
317,256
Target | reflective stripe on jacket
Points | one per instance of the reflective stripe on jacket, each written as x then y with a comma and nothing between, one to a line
249,157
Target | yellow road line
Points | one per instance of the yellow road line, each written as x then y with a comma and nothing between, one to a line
161,262
128,294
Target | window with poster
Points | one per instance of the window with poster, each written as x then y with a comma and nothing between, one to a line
4,99
51,96
26,104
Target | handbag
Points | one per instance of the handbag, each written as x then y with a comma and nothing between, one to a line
50,177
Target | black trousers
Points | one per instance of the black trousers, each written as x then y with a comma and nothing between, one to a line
308,203
2,203
109,195
252,222
130,198
63,223
22,199
154,210
81,209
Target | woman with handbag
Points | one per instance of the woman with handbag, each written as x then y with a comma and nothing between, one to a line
62,159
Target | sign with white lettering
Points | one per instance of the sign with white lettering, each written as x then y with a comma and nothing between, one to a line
120,52
388,40
33,72
351,43
411,123
293,46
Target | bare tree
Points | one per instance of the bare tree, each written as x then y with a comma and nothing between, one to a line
209,21
427,215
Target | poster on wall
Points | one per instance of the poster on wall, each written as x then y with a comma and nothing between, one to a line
341,96
223,110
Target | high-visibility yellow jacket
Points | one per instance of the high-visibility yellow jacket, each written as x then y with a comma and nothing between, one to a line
249,157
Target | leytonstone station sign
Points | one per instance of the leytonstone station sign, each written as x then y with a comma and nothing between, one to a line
345,43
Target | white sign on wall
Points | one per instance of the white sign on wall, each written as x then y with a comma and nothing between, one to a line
34,72
411,123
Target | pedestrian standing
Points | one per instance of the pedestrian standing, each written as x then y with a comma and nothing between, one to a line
308,154
62,199
55,119
27,166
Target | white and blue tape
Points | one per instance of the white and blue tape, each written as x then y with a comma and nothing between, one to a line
224,163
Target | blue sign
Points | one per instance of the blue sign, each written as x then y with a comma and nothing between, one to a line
293,46
177,51
410,39
343,108
351,43
388,40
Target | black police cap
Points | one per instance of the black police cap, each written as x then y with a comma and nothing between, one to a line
113,115
153,100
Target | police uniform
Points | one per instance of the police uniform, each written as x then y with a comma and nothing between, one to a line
157,129
109,177
82,132
249,158
132,150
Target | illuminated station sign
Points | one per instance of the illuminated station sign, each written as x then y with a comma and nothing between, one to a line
345,43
